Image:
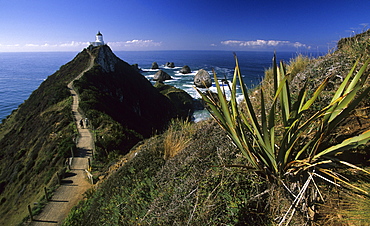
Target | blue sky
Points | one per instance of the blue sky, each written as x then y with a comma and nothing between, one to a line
49,25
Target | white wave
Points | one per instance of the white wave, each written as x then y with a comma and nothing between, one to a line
149,70
173,79
240,98
201,115
225,70
178,73
186,85
170,68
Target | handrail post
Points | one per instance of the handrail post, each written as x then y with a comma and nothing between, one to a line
89,162
58,178
30,212
46,194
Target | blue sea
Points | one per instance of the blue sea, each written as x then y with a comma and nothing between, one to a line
22,73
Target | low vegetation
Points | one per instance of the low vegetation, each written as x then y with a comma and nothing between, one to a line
181,100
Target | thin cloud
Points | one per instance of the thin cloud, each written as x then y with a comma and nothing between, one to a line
263,43
136,43
74,44
10,45
47,46
69,44
31,45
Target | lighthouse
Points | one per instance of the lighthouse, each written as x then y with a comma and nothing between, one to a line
98,40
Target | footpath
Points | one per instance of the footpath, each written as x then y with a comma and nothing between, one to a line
74,185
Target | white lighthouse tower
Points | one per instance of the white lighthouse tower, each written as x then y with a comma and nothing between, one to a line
98,40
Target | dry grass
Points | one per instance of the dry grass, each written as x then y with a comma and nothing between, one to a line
347,208
177,137
297,65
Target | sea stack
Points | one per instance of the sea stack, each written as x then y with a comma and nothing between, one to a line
202,79
161,76
170,64
154,66
185,69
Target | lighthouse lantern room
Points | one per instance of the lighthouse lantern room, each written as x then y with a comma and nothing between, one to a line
98,40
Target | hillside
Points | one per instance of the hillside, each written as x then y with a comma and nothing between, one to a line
122,106
193,175
34,142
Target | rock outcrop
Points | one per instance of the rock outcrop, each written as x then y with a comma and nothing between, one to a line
154,66
161,76
185,69
181,101
136,67
170,64
202,79
105,58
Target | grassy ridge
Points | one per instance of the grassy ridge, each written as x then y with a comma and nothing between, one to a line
34,141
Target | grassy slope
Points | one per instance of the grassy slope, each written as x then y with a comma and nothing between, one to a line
34,140
191,187
188,189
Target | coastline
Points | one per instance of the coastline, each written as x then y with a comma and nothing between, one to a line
23,72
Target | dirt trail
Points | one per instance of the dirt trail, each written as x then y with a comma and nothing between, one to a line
75,183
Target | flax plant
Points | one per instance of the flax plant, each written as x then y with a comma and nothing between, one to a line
287,139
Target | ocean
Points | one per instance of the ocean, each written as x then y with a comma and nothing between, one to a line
22,73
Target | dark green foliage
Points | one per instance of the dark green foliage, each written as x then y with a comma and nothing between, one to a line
181,100
110,135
